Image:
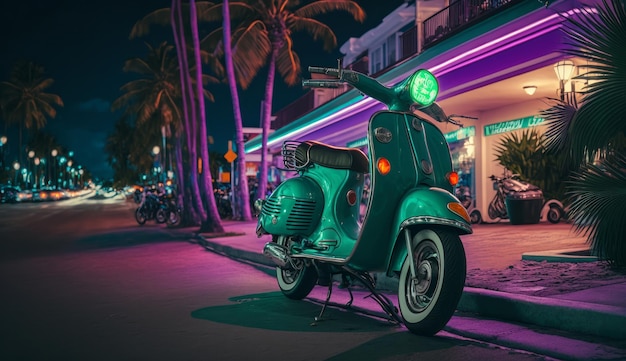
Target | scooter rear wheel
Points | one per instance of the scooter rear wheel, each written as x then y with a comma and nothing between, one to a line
428,301
295,283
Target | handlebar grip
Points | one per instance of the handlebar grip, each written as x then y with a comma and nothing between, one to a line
315,83
321,70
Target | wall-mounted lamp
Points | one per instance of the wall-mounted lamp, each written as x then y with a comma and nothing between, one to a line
564,70
530,89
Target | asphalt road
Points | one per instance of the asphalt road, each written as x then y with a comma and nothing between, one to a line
80,280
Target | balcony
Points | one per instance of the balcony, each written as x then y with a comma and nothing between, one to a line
442,25
458,16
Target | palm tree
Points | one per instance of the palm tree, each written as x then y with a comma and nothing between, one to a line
244,193
24,100
265,38
593,134
119,147
206,11
154,99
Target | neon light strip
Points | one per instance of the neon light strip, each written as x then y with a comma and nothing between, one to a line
438,70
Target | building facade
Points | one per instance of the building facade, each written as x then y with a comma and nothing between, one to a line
496,61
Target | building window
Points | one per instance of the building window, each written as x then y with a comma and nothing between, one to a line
385,55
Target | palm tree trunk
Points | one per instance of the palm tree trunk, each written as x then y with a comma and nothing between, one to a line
213,222
243,194
267,116
190,115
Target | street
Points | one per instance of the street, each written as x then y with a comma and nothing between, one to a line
81,280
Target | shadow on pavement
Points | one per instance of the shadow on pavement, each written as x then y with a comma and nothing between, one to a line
125,237
273,311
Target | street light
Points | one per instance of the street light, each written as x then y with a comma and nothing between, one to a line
157,168
3,141
16,167
36,167
31,155
54,154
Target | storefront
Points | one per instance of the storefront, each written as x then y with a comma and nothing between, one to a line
485,73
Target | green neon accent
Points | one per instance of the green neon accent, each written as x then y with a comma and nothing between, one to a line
459,134
511,125
423,87
352,96
357,143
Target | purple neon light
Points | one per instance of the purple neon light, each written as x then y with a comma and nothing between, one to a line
439,70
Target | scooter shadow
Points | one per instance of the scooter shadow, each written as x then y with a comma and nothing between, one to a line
274,311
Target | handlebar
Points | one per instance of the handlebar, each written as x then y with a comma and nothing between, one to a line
327,71
417,91
316,83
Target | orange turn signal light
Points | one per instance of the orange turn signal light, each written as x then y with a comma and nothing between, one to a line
453,178
383,166
458,208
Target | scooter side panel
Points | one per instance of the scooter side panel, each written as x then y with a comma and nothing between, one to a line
374,247
293,209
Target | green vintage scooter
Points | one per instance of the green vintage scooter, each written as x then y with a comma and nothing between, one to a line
412,223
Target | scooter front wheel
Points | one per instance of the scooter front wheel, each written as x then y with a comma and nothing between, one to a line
297,281
428,300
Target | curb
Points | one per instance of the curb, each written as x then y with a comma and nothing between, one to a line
599,320
560,255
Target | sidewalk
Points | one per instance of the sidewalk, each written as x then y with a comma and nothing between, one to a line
598,312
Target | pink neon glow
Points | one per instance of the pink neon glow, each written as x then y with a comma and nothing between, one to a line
439,70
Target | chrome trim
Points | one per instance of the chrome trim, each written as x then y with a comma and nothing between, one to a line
335,260
436,220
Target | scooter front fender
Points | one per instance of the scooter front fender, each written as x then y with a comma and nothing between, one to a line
432,206
424,208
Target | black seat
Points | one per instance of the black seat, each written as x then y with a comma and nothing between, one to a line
312,152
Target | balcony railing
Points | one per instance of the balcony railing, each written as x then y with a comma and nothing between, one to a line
438,27
459,15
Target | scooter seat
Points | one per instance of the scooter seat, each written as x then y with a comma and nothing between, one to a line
312,152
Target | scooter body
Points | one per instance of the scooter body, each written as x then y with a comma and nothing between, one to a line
314,217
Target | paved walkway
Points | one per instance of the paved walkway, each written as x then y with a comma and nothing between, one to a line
599,312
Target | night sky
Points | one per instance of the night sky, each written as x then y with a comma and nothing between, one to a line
82,45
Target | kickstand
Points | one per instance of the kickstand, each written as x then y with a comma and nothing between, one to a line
328,294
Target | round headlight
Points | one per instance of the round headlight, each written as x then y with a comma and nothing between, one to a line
423,87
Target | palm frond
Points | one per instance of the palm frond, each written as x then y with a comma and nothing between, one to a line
288,63
325,6
317,30
598,196
157,17
251,49
558,118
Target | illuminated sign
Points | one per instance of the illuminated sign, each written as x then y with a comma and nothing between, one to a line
511,125
459,134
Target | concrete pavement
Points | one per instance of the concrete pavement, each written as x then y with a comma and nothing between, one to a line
597,315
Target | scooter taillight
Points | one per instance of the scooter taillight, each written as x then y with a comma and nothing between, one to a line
453,178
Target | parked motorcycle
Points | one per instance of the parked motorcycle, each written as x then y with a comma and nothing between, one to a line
150,208
412,223
552,209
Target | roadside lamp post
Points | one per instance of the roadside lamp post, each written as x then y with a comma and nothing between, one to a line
36,166
3,141
53,176
155,151
68,170
16,167
80,178
31,155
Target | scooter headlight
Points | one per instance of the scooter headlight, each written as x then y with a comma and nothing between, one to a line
423,87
